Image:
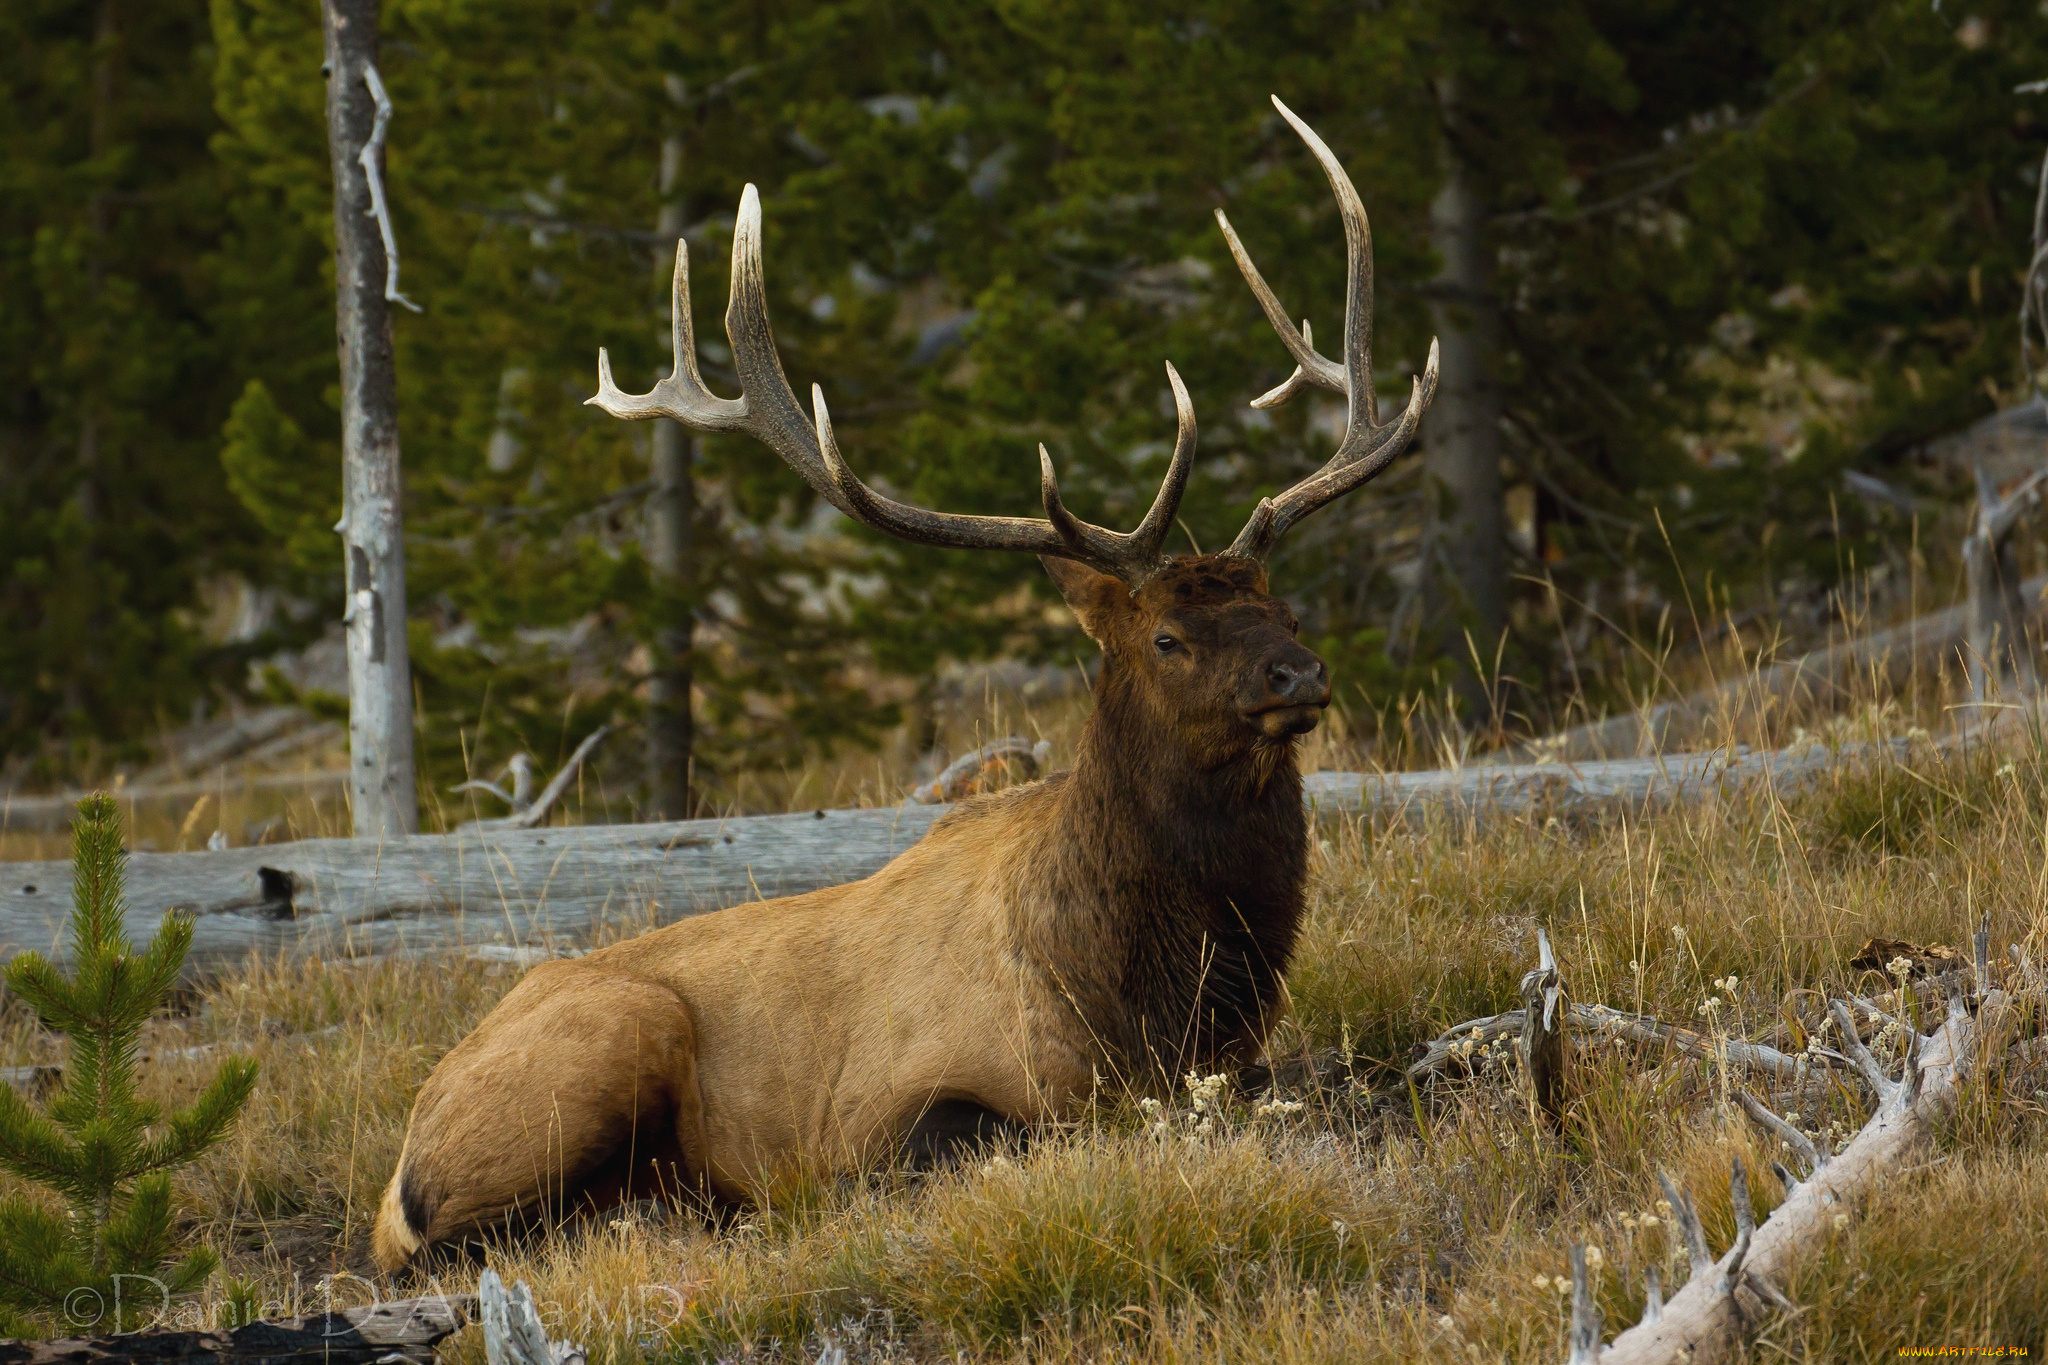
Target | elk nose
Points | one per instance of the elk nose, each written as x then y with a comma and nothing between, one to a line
1299,680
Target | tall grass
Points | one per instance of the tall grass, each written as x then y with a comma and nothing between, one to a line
1368,1225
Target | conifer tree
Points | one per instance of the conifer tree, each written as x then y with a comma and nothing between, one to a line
107,1152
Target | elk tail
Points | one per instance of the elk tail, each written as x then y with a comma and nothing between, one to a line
402,1222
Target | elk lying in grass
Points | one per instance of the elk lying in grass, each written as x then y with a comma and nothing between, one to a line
1128,919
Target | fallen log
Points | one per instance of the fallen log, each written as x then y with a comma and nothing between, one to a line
381,1333
425,893
1825,677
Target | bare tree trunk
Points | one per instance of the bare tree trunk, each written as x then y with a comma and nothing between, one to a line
1466,567
86,494
670,509
385,801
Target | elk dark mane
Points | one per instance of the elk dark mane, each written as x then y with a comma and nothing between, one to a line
1187,861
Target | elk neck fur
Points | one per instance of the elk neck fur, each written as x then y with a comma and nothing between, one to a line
1178,883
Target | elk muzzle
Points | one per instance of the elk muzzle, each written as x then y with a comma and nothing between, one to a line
1287,691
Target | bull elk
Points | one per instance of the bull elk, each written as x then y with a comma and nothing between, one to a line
1130,918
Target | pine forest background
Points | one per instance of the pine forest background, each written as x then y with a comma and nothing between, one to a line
1706,259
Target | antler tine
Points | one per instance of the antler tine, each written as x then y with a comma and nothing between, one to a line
1368,447
1151,533
1355,463
1293,384
775,416
1358,279
1316,368
1137,551
682,395
766,408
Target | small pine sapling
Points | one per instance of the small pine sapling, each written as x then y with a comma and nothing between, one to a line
112,1255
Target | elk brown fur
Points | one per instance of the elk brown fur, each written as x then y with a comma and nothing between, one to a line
1119,923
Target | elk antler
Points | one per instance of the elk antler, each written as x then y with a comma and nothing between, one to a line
767,410
1367,447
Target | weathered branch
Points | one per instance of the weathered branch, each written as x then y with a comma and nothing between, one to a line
1753,1056
1452,1044
1706,1321
1689,1226
1543,1036
500,884
365,898
372,158
513,1334
1859,1055
1785,1132
1585,1312
404,1330
525,816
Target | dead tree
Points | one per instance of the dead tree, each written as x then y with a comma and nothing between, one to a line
668,544
1998,635
365,284
1462,444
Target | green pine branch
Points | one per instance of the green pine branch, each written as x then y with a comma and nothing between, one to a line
101,1147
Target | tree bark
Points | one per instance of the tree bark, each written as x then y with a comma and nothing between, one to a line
1466,565
671,730
384,799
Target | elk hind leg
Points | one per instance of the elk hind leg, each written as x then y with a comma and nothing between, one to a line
581,1084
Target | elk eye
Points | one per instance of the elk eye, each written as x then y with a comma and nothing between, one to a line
1165,644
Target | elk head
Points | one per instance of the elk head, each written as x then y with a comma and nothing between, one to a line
1197,642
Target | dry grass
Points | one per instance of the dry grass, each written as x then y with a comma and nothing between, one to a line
1356,1229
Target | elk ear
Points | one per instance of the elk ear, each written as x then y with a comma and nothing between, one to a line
1097,599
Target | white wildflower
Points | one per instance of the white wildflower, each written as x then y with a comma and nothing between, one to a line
1205,1093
